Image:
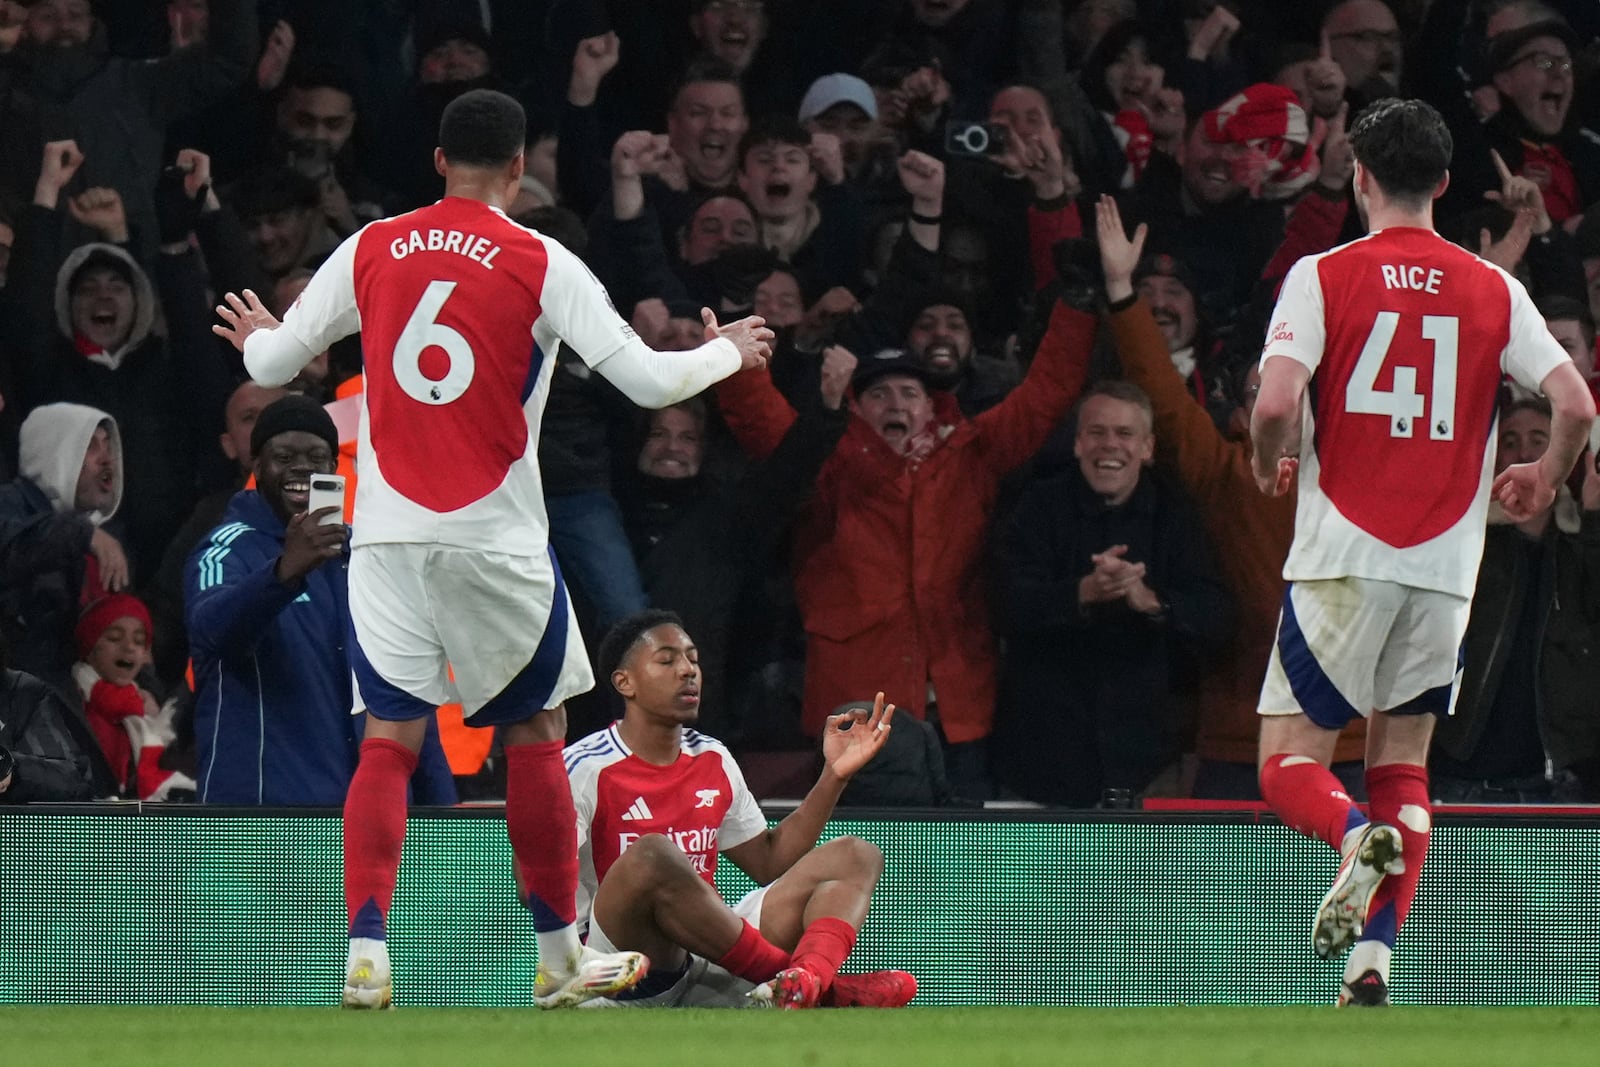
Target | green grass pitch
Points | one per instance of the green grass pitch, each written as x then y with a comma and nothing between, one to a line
915,1037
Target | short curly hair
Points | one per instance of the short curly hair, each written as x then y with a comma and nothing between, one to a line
625,634
1405,145
482,128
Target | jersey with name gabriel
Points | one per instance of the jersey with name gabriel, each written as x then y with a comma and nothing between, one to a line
460,312
1408,337
700,803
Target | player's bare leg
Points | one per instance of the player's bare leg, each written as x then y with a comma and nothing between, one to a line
817,907
1397,792
653,900
374,830
541,822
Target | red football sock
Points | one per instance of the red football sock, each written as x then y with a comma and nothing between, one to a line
374,830
1397,794
1307,797
753,957
542,824
823,948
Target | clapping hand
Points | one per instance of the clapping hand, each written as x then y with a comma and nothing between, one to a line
1115,578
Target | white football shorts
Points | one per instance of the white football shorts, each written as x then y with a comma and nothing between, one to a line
1349,646
701,985
503,623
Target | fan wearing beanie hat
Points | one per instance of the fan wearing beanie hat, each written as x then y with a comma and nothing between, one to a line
265,605
113,636
294,437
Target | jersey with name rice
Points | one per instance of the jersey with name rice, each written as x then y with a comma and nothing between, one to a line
460,310
700,803
1408,337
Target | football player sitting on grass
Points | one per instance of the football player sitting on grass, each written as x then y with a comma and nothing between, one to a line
658,800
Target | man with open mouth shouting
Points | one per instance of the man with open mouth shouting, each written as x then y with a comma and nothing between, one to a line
805,210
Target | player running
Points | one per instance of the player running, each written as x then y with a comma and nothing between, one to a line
460,311
657,801
1403,338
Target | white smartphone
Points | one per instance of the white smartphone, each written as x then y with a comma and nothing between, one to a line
327,491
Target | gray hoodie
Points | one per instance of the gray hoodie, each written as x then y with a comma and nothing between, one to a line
144,299
53,442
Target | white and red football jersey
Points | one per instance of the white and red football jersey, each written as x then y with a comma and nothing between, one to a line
460,310
701,803
1407,336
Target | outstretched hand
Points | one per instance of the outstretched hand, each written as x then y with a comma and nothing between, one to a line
852,738
1119,254
242,317
750,334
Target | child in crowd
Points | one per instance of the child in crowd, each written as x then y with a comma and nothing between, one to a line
133,730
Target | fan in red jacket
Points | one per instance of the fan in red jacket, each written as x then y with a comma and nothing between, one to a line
888,551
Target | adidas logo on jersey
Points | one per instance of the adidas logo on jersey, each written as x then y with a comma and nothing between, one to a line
637,810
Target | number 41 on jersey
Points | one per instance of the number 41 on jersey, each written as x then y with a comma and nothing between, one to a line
1403,404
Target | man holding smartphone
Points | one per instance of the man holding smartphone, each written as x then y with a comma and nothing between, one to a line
267,612
460,310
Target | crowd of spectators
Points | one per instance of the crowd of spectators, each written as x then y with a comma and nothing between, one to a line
1020,256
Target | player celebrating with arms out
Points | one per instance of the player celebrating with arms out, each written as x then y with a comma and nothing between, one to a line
1407,337
460,310
657,800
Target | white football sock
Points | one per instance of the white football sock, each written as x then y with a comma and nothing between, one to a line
1368,956
559,949
366,948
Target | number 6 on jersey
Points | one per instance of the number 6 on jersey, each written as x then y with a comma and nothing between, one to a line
422,331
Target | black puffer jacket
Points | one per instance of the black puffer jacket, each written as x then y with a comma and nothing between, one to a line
56,755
